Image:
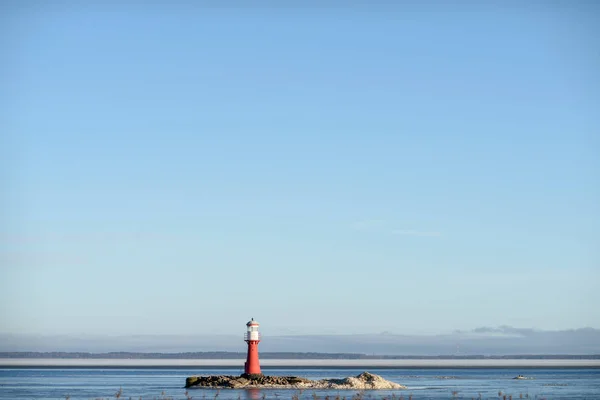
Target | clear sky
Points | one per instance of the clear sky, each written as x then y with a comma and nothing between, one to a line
178,169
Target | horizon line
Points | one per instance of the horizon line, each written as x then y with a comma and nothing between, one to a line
92,355
302,363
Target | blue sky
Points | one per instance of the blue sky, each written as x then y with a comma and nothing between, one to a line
179,169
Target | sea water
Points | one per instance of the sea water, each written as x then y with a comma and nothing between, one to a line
430,383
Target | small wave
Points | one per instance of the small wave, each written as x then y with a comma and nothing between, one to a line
431,377
555,384
423,388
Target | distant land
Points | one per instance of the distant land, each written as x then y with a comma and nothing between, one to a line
485,341
225,355
237,364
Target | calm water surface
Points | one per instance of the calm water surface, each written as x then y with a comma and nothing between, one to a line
151,383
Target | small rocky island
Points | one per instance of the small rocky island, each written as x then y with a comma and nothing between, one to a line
362,381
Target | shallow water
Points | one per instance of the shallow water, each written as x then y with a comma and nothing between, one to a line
431,383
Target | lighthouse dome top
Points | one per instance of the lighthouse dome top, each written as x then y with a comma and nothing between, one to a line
252,322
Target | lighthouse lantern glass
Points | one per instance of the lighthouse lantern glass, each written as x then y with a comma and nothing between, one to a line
253,333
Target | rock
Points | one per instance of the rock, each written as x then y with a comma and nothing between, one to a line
366,380
239,383
191,381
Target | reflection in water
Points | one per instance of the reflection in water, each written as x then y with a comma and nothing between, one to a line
253,394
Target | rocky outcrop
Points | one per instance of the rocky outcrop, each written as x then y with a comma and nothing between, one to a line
362,381
235,382
365,380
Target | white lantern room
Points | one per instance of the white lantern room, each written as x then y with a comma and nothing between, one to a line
252,332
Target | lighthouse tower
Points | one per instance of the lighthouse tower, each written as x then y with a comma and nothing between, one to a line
252,337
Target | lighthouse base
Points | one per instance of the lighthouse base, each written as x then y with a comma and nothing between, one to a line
252,376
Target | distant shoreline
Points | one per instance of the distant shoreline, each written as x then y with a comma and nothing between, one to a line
266,355
298,363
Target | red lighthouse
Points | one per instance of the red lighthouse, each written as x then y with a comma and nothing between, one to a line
252,337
